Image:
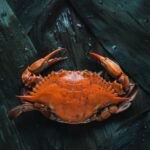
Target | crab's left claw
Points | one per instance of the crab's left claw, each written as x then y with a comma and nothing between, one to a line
113,69
43,63
29,75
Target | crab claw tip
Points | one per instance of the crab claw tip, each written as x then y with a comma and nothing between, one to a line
64,58
97,56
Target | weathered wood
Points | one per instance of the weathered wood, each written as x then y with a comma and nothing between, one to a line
28,12
123,27
31,130
15,51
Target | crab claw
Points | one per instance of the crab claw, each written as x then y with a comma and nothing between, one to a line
113,69
41,64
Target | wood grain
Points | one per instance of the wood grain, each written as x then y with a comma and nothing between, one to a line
22,42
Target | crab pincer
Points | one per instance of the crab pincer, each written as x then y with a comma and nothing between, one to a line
30,76
113,69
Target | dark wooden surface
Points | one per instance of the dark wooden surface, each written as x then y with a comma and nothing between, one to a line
123,27
25,37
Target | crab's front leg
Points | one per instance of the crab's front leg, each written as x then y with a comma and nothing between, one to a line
113,69
31,75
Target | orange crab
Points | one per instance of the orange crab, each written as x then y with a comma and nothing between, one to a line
75,97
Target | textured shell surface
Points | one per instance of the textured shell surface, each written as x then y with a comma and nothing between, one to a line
74,96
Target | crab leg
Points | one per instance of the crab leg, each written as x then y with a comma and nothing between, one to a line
18,110
113,69
30,76
27,106
115,109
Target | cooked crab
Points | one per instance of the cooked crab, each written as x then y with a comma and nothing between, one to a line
75,97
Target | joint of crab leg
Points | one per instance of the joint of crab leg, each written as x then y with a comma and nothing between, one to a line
131,96
113,69
124,80
29,78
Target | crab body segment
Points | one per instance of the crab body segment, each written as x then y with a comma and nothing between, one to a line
75,97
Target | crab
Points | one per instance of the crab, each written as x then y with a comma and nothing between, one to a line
75,97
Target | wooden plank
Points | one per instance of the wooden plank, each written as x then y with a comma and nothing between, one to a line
31,130
28,12
123,29
15,51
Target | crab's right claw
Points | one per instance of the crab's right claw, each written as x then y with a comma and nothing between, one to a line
113,69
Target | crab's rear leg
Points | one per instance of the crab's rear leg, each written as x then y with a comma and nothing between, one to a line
28,106
18,110
30,75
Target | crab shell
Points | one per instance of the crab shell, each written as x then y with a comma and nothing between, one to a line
76,96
